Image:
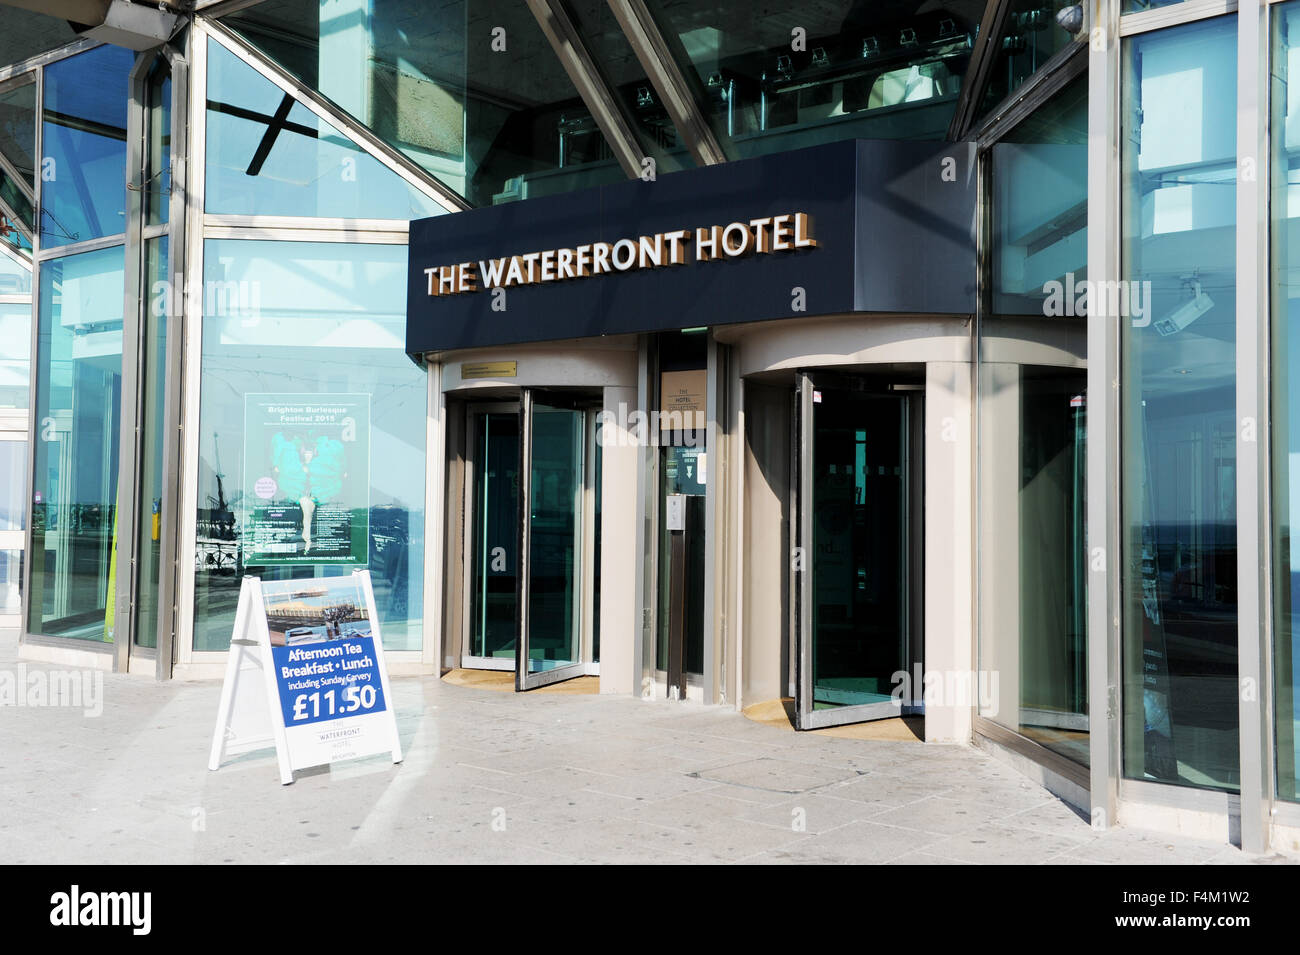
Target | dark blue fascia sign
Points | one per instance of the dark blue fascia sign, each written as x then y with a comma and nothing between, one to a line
858,226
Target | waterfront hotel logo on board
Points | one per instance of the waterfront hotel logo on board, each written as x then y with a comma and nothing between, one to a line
768,235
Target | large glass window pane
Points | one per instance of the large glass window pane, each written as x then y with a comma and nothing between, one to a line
78,404
1032,581
270,155
469,89
15,354
83,169
1178,347
874,71
312,427
17,147
1040,210
1285,266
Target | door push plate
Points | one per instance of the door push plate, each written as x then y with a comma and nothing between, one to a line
675,512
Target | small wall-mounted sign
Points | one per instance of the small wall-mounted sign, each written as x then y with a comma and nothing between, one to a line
683,399
489,369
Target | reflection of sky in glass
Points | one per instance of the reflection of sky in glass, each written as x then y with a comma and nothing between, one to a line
84,147
1179,431
270,155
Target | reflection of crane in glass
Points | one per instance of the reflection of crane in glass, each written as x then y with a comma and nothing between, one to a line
220,499
216,530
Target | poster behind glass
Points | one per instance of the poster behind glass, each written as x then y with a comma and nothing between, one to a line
306,487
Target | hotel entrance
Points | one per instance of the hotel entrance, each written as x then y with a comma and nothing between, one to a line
531,522
857,570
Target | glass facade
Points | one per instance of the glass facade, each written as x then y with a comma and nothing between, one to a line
292,330
1178,337
469,90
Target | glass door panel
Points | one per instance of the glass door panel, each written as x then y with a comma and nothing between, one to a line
494,542
853,528
550,625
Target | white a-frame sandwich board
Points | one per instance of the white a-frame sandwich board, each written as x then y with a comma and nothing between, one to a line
318,692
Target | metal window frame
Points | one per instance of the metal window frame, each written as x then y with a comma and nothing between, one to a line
435,520
1067,65
715,511
130,419
173,372
195,111
219,8
1103,474
1254,452
1175,14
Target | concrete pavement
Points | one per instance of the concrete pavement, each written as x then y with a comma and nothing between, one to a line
499,777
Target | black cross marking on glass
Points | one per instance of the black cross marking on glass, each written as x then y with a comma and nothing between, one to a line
274,126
